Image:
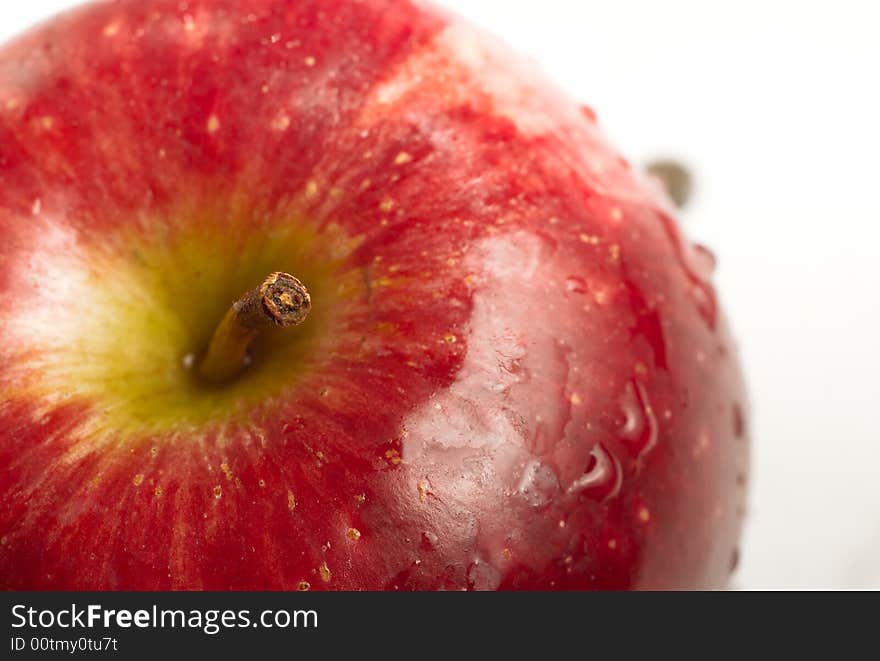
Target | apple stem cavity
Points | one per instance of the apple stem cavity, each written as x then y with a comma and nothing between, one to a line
280,301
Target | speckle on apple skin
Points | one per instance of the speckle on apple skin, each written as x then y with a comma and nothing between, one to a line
516,374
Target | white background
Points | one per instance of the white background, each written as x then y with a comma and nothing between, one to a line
776,105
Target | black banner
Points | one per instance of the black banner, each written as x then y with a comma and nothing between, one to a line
144,625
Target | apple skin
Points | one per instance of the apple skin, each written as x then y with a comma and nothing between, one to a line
516,374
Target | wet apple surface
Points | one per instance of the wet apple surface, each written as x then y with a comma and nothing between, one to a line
515,373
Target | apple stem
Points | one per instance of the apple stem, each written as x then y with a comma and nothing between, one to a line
280,301
676,179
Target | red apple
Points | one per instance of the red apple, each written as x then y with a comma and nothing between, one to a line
515,373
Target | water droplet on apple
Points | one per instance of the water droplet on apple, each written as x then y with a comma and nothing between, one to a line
640,430
575,285
538,484
603,477
739,421
704,298
588,113
697,264
704,260
481,576
429,540
734,560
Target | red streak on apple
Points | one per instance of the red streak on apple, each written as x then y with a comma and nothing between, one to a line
516,374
